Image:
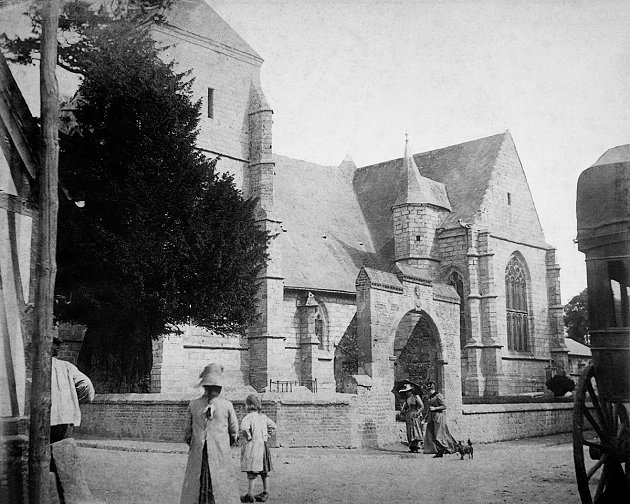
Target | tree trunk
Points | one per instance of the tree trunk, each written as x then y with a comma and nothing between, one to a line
39,434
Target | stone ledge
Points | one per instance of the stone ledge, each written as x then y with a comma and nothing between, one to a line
492,409
316,400
142,398
8,443
234,396
13,426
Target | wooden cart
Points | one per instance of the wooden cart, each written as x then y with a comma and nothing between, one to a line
601,429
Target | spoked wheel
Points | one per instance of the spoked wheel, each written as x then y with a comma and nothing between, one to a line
603,473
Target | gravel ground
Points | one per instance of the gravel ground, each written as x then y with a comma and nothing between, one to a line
538,470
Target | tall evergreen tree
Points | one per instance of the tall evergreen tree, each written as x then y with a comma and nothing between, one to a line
163,238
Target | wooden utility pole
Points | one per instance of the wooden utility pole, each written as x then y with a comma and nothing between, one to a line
39,433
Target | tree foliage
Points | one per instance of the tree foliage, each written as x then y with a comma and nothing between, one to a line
85,27
163,238
576,318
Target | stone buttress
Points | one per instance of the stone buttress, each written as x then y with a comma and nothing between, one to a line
265,338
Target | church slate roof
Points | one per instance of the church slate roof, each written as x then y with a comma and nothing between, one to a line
326,240
338,219
464,169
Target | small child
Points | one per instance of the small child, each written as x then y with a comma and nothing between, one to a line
255,456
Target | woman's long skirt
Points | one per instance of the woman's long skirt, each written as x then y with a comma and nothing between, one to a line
205,479
437,438
415,433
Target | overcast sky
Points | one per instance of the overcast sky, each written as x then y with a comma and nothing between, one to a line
351,76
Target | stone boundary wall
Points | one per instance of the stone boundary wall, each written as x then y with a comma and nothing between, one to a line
500,422
315,420
322,420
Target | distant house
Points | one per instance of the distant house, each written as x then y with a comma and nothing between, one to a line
579,358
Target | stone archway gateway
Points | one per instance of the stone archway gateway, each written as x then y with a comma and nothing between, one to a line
404,315
417,350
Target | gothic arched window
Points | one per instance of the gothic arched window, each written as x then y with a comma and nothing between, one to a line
516,305
455,279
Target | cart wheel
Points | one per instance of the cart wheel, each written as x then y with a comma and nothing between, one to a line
605,477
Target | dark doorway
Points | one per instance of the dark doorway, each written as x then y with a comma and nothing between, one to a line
346,356
417,350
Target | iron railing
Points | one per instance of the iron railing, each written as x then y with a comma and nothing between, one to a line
284,386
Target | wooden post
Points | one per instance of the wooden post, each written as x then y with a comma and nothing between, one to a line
39,433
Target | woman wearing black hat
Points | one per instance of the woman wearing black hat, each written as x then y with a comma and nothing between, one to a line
412,413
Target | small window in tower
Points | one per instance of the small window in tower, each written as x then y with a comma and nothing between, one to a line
418,238
210,103
509,198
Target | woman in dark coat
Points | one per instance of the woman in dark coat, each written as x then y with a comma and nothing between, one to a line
412,413
437,438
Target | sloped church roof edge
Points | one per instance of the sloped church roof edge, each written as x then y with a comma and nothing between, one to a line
196,16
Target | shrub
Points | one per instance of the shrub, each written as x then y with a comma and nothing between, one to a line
560,385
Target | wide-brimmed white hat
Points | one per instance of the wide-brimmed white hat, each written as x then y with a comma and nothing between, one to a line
408,387
211,375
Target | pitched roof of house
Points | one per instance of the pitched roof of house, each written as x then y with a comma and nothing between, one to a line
338,219
577,349
619,154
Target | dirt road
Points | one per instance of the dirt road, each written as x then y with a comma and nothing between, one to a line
529,471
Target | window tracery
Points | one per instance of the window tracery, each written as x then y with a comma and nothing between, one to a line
516,305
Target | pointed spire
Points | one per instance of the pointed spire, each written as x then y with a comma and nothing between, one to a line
258,101
414,188
410,179
348,162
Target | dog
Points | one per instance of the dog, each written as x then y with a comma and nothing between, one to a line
464,449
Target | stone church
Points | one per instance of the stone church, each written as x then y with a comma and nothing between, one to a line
431,265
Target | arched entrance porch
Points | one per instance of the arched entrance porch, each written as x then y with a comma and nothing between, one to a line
389,309
417,350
